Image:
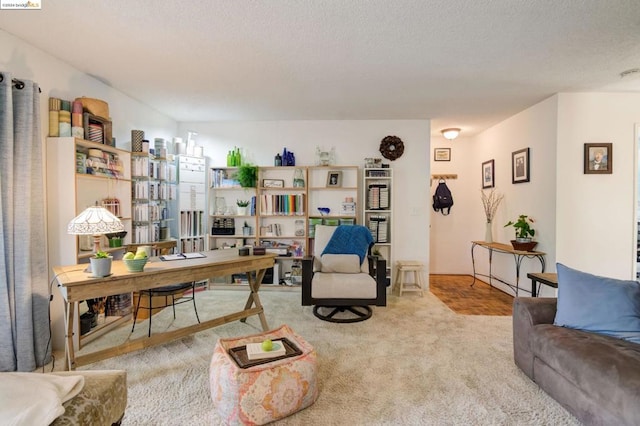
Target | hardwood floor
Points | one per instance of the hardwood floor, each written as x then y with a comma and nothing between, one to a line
481,299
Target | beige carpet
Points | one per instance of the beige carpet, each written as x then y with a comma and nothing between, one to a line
415,362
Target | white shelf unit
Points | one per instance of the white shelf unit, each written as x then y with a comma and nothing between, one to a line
191,220
70,190
284,206
342,200
225,224
377,211
153,190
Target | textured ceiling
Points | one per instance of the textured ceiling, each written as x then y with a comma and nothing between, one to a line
462,63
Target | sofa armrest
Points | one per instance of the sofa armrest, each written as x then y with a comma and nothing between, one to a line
528,312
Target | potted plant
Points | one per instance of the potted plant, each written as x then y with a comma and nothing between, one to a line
524,233
101,264
242,207
247,175
246,229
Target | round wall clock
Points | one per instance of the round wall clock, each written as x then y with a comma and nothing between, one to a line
391,147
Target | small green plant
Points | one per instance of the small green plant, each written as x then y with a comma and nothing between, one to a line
522,226
242,203
101,255
247,175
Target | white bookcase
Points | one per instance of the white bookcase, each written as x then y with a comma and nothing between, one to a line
378,211
191,220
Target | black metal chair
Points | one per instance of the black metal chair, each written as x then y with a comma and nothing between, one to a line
167,291
342,297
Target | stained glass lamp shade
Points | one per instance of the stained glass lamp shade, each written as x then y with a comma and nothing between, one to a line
95,221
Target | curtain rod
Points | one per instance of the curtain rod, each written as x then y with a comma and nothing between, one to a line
17,83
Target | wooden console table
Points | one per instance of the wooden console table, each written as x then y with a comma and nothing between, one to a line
77,285
518,255
550,279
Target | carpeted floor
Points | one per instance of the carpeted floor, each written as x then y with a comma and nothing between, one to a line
415,362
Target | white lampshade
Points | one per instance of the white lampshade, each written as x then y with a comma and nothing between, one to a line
450,133
95,221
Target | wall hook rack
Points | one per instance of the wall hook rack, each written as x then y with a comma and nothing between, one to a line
437,177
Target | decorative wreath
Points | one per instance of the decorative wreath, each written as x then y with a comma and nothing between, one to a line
391,147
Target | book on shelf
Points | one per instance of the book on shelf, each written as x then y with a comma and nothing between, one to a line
255,351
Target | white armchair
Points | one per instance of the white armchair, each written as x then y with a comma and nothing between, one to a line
341,286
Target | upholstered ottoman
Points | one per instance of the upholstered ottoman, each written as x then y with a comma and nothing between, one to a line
262,393
102,400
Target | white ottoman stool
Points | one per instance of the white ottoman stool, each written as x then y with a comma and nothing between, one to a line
262,393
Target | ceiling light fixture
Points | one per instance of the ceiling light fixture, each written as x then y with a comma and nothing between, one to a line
450,133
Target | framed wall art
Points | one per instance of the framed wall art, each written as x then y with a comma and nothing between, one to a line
520,166
272,183
488,174
598,158
334,179
442,154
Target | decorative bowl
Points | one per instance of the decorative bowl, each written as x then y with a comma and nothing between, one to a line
135,265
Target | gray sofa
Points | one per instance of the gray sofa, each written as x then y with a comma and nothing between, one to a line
595,377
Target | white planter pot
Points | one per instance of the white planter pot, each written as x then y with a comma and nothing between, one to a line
101,267
242,211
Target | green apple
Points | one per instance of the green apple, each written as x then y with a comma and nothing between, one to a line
129,255
140,256
267,345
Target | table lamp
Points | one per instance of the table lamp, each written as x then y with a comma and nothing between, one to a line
96,221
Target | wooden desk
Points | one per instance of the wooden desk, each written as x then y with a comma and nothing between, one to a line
76,286
518,256
550,279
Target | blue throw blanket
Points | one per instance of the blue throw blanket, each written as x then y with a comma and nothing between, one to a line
350,239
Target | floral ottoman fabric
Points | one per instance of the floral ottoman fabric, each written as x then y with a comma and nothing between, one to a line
263,393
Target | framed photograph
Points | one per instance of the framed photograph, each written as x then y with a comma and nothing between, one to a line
334,179
442,154
598,158
272,183
488,174
520,166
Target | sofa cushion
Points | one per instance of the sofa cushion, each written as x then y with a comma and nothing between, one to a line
341,263
602,367
342,286
598,304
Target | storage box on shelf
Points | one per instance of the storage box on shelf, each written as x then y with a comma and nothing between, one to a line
79,174
378,211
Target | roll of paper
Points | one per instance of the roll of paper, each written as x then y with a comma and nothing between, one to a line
65,129
54,124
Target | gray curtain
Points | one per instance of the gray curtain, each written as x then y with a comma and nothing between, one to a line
24,291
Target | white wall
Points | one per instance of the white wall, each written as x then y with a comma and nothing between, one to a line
57,79
595,213
534,128
353,141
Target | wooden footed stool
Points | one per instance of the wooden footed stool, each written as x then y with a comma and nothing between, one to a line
404,268
262,393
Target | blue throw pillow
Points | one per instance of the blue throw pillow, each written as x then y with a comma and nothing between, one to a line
598,304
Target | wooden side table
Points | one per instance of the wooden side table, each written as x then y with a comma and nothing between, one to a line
550,279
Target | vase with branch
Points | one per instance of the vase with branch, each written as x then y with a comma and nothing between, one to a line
490,201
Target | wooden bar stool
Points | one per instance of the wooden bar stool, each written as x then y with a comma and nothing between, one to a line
405,267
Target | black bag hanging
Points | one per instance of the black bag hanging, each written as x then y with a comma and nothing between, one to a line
442,199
